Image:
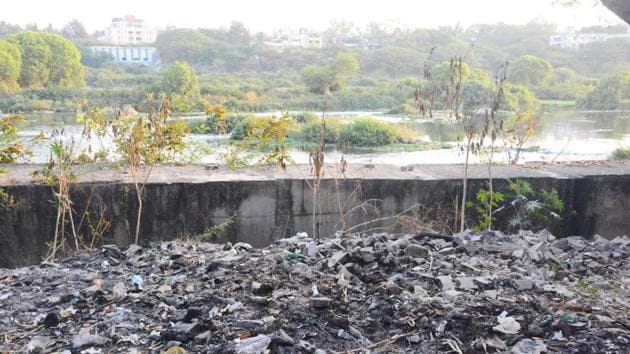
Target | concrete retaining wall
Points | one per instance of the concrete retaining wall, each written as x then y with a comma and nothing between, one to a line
268,209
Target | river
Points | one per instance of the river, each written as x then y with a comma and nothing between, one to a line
563,135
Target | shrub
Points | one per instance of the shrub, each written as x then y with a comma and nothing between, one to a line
309,131
303,117
368,132
622,153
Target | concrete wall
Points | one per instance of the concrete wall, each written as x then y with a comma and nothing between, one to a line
273,208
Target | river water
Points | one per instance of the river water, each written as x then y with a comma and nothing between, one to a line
564,135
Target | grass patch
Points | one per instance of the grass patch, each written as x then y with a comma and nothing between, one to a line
558,103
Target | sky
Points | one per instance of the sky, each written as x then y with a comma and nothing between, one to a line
266,15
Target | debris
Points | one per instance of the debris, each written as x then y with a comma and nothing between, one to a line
119,291
253,345
88,340
380,292
507,324
137,281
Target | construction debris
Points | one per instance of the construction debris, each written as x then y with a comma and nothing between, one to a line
467,293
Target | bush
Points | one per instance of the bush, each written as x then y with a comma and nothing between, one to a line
622,153
303,117
309,131
241,127
368,132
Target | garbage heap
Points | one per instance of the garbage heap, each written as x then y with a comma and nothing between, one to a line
427,293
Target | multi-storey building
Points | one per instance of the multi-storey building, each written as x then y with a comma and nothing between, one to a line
128,30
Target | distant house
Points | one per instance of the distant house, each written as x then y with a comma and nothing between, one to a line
128,30
129,55
285,38
574,40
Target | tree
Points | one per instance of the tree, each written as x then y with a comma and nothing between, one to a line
65,62
10,64
323,80
519,98
74,30
531,71
238,33
185,44
180,84
36,55
48,60
95,59
611,93
7,29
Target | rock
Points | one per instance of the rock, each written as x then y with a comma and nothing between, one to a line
417,251
253,345
242,246
466,283
52,319
528,346
507,325
518,254
119,291
88,340
535,330
339,257
446,282
38,344
414,339
164,289
320,302
393,288
524,284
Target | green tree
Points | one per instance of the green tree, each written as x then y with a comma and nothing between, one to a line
180,84
10,64
519,98
327,79
65,62
36,57
611,93
531,71
185,44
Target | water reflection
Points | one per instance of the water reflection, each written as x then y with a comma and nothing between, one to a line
562,135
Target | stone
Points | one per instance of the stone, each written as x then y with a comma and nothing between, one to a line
119,291
253,345
518,254
417,251
524,284
466,283
52,319
320,302
339,257
88,340
507,325
446,282
38,344
529,346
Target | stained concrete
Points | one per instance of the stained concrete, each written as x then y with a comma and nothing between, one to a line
270,204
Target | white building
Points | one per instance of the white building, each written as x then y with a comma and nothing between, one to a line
129,30
304,38
129,55
574,40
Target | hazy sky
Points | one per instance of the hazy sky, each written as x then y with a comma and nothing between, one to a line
264,15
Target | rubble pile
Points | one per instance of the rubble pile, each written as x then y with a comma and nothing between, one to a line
468,293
